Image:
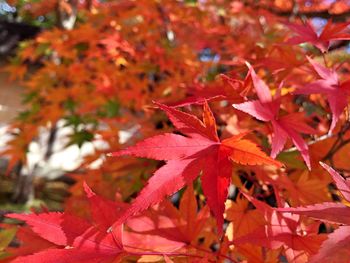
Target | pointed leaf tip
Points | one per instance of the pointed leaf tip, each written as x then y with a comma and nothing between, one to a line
248,64
342,184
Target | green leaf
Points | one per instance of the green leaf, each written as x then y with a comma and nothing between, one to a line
110,109
82,46
73,120
69,105
29,97
80,137
6,237
291,159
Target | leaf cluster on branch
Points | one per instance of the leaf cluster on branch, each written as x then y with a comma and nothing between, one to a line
218,119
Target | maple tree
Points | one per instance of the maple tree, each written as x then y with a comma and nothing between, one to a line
215,116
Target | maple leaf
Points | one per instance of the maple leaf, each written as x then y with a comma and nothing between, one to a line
199,93
336,93
71,238
283,230
336,248
78,240
328,211
307,33
243,220
281,60
303,188
184,225
200,150
266,109
338,241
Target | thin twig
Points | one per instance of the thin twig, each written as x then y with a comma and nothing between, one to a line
318,139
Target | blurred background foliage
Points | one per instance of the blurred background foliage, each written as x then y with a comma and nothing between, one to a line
91,69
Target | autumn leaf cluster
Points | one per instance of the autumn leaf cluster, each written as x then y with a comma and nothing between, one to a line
237,123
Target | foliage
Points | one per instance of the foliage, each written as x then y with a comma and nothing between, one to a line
238,81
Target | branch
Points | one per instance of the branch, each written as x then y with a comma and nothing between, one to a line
316,140
50,141
338,144
66,13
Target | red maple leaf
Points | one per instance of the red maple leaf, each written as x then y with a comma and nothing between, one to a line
283,230
76,239
199,151
185,224
336,93
198,93
336,248
266,109
339,240
307,33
